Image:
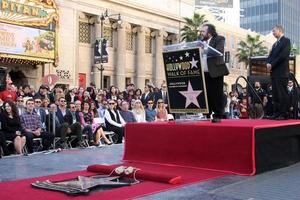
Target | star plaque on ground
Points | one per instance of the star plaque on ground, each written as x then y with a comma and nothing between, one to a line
191,96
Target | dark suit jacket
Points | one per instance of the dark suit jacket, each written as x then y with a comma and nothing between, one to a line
69,119
279,58
145,99
216,65
60,116
158,95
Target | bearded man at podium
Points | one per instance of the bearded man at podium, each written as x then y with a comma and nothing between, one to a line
214,70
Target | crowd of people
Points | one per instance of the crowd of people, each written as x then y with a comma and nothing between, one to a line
63,113
249,105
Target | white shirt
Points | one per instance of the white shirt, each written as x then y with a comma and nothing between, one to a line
204,55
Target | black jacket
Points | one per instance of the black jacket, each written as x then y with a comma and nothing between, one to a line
216,65
279,58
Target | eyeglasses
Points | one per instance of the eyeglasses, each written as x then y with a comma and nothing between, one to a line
160,102
62,101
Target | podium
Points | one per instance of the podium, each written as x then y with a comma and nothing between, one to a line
184,68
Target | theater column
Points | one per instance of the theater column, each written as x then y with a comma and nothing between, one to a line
121,55
96,72
141,55
159,72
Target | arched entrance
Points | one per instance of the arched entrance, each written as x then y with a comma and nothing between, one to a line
18,78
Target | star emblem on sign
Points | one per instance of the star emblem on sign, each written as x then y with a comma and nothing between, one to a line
194,63
191,96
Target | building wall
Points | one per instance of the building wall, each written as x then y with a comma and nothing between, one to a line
77,57
262,15
141,19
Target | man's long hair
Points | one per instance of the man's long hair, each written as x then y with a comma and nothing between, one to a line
211,29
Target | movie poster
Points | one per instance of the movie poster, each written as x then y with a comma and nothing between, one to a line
27,41
185,81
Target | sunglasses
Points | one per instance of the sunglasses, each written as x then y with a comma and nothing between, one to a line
111,103
20,101
150,103
62,101
160,102
37,102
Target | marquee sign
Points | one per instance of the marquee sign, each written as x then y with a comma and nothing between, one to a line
28,12
20,40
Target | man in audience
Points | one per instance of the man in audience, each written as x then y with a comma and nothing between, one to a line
27,92
256,108
147,95
150,112
32,127
68,122
162,94
40,111
125,113
20,105
114,121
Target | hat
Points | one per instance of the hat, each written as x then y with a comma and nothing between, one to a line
44,87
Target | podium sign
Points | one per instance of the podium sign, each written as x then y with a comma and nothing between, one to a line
185,79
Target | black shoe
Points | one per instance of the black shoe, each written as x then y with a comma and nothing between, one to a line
216,120
280,117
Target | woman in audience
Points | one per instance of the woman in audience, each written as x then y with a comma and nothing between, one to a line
130,96
138,94
80,93
161,111
86,96
113,93
138,111
94,109
11,126
45,105
87,121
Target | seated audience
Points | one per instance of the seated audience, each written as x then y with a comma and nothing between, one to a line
125,113
11,126
114,121
68,122
87,120
138,111
161,111
150,112
32,127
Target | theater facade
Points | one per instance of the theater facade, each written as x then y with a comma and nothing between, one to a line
28,38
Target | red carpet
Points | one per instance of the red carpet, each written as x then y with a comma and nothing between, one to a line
22,190
228,146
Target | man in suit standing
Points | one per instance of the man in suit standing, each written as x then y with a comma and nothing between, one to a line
214,72
278,64
147,95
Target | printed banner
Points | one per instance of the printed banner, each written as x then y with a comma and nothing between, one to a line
215,3
100,52
185,81
27,41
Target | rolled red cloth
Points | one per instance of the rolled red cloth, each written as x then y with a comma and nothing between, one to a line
139,174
